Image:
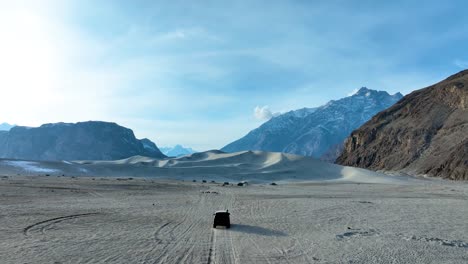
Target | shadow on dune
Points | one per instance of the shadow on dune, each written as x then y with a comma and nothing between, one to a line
256,230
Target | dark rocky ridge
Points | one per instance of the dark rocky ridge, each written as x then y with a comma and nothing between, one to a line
425,133
91,140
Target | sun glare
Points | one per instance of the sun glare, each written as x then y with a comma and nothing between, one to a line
28,61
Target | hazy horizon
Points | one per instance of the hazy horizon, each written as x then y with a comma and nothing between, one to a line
201,75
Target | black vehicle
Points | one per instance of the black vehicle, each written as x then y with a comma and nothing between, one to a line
222,219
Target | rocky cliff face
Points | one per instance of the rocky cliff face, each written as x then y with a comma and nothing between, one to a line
80,141
317,132
425,133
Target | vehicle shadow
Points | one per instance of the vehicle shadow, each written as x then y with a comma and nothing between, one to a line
256,230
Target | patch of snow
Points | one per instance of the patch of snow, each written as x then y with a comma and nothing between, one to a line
29,166
303,112
353,92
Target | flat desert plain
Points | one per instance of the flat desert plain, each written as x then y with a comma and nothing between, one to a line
60,219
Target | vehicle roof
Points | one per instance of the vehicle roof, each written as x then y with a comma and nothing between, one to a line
222,212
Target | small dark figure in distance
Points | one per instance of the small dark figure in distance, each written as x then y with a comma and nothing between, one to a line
222,219
225,183
240,184
273,183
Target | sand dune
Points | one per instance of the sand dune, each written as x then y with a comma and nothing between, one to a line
255,166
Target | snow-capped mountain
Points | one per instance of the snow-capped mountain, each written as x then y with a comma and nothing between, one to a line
5,127
176,151
318,132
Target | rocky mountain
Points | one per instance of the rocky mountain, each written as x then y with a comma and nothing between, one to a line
5,126
317,132
425,133
149,145
176,151
81,141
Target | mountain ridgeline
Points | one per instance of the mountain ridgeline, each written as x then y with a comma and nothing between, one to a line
425,133
5,126
317,132
91,140
176,151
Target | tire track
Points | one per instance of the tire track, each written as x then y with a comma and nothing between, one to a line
170,247
224,249
258,212
223,253
302,252
283,254
178,237
156,233
55,220
188,240
235,253
212,247
260,251
199,237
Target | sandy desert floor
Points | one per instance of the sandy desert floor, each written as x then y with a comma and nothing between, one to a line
110,220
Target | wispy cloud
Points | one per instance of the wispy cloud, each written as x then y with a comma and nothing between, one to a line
463,64
184,34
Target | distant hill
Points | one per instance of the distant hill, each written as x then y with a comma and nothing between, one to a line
176,151
5,127
425,133
91,140
318,132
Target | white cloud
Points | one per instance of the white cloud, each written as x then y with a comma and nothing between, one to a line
264,113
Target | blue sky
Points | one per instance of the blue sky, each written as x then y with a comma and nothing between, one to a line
192,72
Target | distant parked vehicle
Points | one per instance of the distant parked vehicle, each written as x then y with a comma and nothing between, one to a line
225,183
222,219
240,184
273,183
